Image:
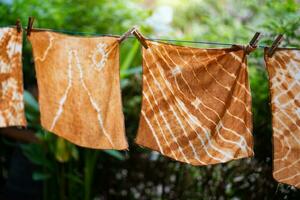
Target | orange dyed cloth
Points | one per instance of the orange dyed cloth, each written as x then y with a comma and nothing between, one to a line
79,88
196,105
284,81
11,78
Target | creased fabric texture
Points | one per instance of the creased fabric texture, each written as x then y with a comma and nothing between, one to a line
79,88
196,105
284,81
11,78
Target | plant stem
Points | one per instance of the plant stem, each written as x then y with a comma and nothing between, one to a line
45,186
89,167
62,183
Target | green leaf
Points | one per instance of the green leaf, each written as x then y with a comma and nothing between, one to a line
30,102
40,176
75,178
74,151
115,154
62,153
130,71
36,154
129,58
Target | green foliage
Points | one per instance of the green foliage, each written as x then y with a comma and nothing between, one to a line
71,172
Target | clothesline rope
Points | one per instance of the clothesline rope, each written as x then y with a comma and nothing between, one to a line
152,39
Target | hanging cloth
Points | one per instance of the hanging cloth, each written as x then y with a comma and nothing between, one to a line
79,88
11,78
284,82
196,104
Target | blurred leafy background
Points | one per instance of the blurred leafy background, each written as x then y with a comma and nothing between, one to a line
51,168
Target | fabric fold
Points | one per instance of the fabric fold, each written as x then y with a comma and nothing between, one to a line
79,88
11,78
284,83
196,105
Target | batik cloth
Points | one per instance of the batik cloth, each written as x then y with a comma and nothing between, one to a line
196,105
79,88
284,82
11,78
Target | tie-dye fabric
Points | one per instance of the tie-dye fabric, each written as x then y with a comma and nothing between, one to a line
79,88
11,78
284,81
196,105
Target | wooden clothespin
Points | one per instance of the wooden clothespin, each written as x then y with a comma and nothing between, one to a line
140,37
253,42
127,34
275,44
30,24
19,26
